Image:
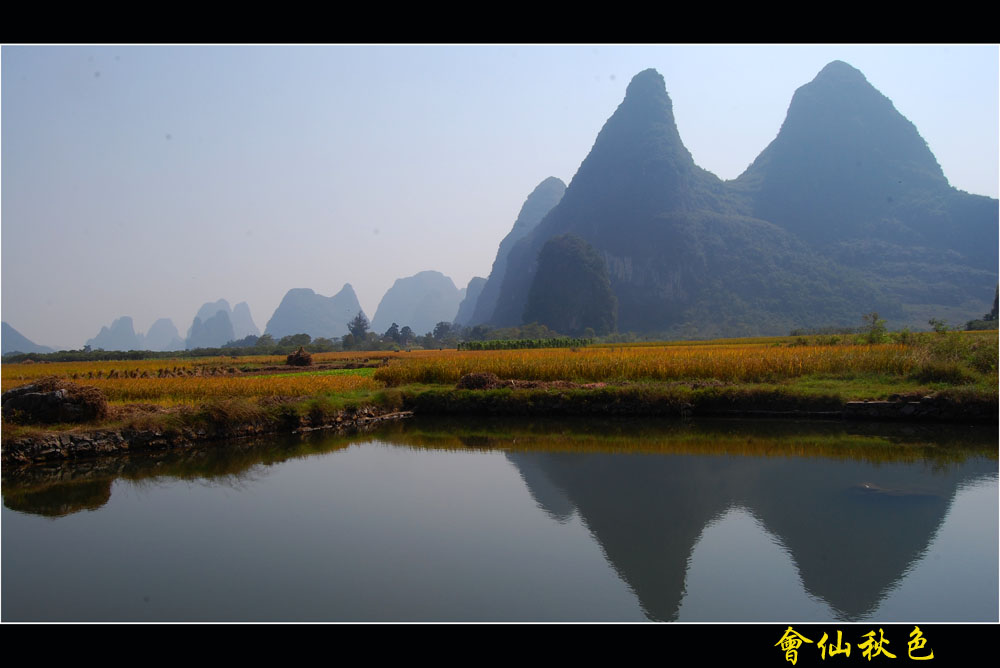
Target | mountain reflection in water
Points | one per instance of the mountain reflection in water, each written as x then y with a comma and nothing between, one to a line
851,507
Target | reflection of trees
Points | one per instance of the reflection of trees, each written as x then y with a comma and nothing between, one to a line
66,487
59,500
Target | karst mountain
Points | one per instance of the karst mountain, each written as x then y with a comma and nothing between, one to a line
844,213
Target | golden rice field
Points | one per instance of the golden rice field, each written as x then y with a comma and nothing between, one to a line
187,381
726,362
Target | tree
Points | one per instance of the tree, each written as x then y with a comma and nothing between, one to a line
442,330
295,340
989,320
322,345
427,341
479,333
406,335
359,326
248,341
938,325
392,334
873,327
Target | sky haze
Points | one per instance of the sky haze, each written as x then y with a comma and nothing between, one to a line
148,180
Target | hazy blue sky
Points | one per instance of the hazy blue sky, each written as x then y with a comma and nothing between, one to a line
147,180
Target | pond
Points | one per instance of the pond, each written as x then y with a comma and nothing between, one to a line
547,520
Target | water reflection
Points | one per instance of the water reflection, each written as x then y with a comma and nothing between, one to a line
851,528
715,520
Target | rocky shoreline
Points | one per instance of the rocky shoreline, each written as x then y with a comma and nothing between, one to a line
102,442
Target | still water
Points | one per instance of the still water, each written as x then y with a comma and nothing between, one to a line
533,521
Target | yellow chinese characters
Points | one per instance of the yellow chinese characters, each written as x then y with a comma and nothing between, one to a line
840,648
872,647
917,643
790,643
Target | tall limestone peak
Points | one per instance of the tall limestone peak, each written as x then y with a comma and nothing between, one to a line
841,109
638,152
843,162
637,172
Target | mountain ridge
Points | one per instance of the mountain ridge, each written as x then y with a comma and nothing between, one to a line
689,253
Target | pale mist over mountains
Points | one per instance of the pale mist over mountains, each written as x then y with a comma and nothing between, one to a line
846,210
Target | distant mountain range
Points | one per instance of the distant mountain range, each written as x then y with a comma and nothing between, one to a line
214,325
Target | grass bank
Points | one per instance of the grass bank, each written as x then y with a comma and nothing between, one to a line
797,375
